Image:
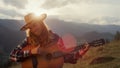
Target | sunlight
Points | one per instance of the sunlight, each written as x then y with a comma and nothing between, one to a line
39,12
34,7
36,13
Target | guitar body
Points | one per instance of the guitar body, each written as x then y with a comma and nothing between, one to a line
27,63
43,62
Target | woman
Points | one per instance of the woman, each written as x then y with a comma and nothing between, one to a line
36,51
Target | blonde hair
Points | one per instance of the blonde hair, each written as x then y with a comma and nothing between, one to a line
43,39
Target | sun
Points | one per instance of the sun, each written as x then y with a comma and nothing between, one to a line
39,12
36,13
34,7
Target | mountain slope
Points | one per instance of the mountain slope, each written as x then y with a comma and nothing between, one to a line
106,51
78,29
9,38
9,31
93,35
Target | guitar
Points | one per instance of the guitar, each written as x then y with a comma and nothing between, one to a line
44,59
58,54
52,57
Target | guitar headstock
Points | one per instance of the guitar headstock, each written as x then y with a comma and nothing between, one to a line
98,42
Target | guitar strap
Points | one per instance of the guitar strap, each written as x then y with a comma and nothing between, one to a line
56,54
34,61
55,38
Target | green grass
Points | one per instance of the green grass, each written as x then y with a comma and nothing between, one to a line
109,50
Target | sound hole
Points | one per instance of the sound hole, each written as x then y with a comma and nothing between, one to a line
49,56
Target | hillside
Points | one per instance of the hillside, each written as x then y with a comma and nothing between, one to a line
110,54
78,29
10,37
93,35
10,33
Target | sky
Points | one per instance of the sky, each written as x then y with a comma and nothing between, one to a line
102,12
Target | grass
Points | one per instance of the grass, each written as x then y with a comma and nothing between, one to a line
109,50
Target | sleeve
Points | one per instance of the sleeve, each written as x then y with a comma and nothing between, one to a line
17,54
72,58
69,58
83,51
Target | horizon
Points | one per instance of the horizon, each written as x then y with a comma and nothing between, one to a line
67,22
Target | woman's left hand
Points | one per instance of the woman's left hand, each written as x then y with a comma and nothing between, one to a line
86,45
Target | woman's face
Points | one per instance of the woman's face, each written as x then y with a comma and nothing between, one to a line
35,28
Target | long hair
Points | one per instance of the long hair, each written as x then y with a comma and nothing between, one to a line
41,40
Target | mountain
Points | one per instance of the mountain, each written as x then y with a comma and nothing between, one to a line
93,35
11,36
11,24
78,29
83,31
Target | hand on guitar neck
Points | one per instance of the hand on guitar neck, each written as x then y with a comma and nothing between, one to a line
85,49
86,45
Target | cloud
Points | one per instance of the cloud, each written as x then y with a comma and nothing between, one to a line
16,3
49,4
9,13
114,2
105,21
85,10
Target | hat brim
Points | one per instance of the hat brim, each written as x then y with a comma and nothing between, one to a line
25,27
39,18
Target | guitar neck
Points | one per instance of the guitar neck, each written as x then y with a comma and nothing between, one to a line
61,54
94,43
79,47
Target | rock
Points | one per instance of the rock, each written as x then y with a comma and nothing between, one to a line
99,60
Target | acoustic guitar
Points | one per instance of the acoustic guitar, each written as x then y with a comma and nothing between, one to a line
53,57
43,60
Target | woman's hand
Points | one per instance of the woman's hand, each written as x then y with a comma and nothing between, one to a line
35,50
84,50
13,59
86,45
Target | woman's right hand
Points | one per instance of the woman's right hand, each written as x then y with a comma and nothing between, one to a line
35,50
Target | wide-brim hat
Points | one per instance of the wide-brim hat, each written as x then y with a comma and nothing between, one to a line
30,18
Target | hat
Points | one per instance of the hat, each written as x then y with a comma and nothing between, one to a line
31,17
